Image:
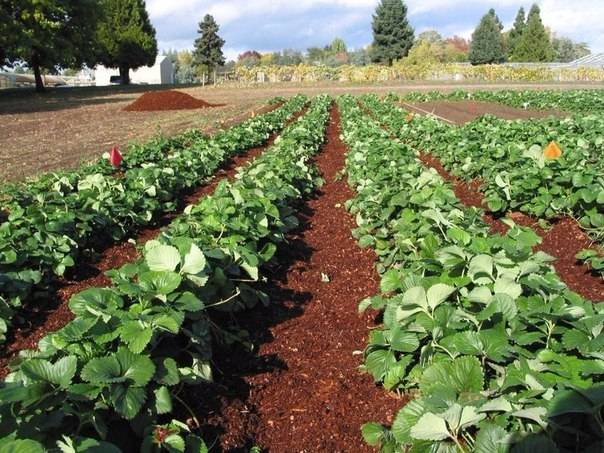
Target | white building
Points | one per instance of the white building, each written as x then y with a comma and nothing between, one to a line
161,73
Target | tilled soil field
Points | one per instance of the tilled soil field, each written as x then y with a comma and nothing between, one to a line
461,112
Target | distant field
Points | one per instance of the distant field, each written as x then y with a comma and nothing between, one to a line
40,133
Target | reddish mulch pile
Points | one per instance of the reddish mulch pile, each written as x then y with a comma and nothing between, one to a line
302,390
563,240
154,101
91,274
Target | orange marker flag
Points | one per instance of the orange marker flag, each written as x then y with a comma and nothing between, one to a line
552,151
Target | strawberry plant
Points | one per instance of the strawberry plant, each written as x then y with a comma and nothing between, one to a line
495,348
123,362
508,158
579,101
48,228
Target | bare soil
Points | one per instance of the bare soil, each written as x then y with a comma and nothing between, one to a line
461,112
64,138
302,390
65,127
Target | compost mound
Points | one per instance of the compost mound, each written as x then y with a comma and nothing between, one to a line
167,100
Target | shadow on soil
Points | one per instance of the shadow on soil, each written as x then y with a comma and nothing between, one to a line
222,407
24,100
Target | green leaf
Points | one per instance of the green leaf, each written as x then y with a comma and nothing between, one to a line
391,280
136,335
535,414
430,427
195,261
128,401
189,302
374,434
21,446
492,439
416,296
162,258
481,269
463,374
162,283
120,367
439,293
174,443
403,341
163,400
378,362
167,372
60,373
406,418
507,286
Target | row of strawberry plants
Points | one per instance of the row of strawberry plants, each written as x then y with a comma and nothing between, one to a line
579,101
157,150
48,234
498,353
123,364
139,154
508,157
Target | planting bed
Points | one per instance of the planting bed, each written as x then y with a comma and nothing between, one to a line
45,318
353,278
461,112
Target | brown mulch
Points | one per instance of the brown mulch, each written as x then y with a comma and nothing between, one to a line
563,240
43,319
461,112
302,390
154,101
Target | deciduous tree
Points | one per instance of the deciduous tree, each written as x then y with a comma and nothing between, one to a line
48,34
392,33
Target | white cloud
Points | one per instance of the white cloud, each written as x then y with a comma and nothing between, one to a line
579,19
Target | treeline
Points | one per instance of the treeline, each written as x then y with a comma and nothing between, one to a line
394,40
528,41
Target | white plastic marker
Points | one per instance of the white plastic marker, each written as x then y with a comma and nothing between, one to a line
429,113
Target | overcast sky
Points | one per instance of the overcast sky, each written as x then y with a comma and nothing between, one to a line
268,25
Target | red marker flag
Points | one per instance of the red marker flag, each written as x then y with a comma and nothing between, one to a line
115,157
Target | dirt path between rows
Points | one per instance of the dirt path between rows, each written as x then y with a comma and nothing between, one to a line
563,240
302,390
43,317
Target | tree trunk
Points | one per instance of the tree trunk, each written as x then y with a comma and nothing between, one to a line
125,74
35,63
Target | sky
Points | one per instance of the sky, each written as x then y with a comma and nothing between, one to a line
270,25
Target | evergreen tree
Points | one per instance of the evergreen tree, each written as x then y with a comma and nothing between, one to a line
48,34
516,31
534,45
487,42
208,47
392,34
496,17
126,38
